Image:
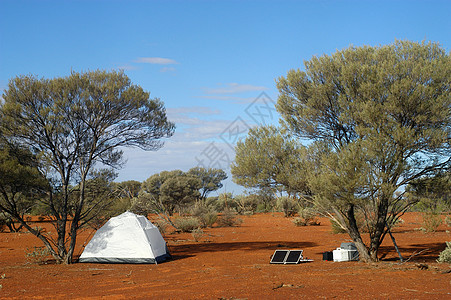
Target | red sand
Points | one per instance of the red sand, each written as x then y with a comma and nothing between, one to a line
233,263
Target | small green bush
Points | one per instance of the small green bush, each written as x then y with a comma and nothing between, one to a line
300,222
229,219
445,255
37,255
197,234
307,216
431,221
288,206
186,224
448,221
206,216
246,204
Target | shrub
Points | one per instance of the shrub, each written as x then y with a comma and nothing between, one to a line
187,224
300,222
431,221
206,216
246,204
197,234
307,216
288,206
445,255
225,201
209,219
37,255
229,219
448,221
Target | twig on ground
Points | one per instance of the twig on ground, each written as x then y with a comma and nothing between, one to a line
413,255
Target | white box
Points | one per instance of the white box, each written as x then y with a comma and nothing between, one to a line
345,255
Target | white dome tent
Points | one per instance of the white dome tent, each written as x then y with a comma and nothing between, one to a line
127,238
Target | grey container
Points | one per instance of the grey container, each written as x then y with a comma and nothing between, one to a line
348,246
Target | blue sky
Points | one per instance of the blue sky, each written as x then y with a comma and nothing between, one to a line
213,63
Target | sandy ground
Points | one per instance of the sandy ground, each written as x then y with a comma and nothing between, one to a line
233,263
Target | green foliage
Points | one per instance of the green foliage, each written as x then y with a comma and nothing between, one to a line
211,180
448,221
37,255
229,218
288,205
269,160
445,255
433,193
197,234
378,118
431,221
22,185
169,190
336,227
206,216
246,204
127,189
180,191
225,201
307,216
186,224
99,198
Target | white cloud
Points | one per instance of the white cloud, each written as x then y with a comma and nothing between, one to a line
156,61
127,67
192,125
234,88
203,110
239,100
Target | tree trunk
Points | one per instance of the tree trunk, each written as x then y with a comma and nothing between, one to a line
73,239
379,228
75,222
354,233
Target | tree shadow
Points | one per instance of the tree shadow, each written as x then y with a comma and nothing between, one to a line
190,250
424,252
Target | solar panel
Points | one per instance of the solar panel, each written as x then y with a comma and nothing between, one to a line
286,257
293,257
279,256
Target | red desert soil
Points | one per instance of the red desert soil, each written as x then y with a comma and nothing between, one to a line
233,263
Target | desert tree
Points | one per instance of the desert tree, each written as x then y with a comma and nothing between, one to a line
270,161
211,180
382,117
433,192
167,191
22,185
72,124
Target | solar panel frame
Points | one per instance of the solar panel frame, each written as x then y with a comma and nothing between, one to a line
287,257
279,256
293,257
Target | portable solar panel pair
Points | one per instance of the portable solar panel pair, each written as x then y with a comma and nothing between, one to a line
286,257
